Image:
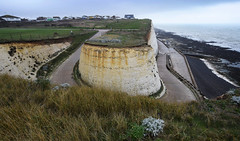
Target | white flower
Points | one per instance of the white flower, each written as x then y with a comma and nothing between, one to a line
153,126
236,99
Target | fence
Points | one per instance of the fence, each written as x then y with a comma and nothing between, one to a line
193,88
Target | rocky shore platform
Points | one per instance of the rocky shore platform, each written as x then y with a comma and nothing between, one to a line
224,61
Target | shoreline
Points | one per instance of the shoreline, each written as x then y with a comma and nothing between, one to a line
214,71
218,61
209,83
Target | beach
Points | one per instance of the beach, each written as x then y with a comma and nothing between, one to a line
210,84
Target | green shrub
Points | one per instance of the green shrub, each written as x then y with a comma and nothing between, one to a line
135,132
43,84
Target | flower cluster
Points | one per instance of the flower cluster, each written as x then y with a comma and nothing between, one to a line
153,126
236,99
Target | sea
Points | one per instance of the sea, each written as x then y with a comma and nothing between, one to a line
227,36
220,35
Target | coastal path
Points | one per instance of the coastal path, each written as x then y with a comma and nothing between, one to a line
176,90
63,74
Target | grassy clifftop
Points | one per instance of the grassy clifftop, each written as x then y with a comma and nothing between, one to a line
36,34
125,33
32,111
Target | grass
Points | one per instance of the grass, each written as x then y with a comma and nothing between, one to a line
128,33
116,24
29,112
30,34
126,39
129,24
49,67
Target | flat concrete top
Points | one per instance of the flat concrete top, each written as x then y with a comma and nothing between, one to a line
178,61
176,90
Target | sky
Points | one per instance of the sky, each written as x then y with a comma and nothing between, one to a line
160,11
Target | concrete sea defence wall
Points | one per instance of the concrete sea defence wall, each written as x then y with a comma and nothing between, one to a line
152,40
131,70
24,59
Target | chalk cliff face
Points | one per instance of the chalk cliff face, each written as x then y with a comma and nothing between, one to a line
131,70
24,59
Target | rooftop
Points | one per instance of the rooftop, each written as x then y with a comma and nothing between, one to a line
9,16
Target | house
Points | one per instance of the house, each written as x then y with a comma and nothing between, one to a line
2,20
129,16
104,17
97,17
56,18
91,17
65,18
49,19
11,18
41,19
85,17
117,17
68,18
24,20
113,17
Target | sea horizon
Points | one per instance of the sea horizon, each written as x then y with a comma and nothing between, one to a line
222,35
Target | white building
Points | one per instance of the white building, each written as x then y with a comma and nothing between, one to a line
11,18
129,16
56,18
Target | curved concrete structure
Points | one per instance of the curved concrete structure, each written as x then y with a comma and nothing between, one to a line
131,70
152,40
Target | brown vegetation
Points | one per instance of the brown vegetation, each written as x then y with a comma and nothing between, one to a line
32,111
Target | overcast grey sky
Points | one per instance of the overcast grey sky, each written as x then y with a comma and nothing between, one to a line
160,11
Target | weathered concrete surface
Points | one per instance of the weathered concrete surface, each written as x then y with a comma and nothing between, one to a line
152,40
24,59
131,70
179,64
176,90
63,74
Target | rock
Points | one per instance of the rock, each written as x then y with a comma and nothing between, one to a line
56,88
236,99
222,97
65,85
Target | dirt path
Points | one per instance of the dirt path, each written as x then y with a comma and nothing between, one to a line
63,74
176,90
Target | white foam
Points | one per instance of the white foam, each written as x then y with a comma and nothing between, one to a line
210,66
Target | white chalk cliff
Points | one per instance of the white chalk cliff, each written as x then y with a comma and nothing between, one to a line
24,59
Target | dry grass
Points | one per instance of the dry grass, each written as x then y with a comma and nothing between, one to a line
28,112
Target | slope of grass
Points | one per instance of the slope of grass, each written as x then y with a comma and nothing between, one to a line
129,24
32,111
116,24
30,34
